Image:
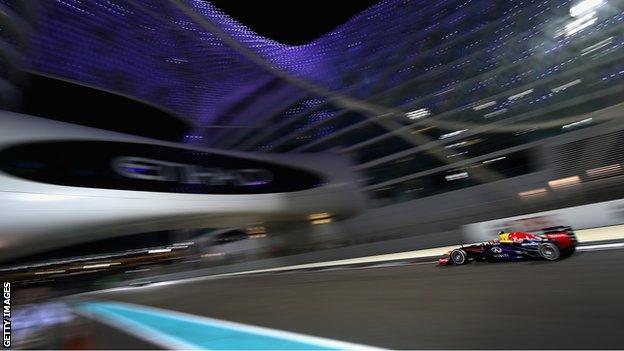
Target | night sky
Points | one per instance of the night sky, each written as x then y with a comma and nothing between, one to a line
293,22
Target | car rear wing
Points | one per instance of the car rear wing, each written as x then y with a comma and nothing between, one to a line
559,229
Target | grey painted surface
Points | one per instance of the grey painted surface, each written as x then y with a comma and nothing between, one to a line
574,303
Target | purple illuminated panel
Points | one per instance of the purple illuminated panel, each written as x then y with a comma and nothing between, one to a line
407,54
150,50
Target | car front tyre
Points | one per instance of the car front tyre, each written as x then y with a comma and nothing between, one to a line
459,256
549,251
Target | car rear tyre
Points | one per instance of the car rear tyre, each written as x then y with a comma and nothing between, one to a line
459,256
549,251
568,252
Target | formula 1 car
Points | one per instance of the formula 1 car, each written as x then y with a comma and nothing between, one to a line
552,244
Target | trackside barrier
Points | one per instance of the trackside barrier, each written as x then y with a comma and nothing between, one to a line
584,236
587,220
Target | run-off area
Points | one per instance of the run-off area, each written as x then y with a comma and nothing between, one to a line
572,303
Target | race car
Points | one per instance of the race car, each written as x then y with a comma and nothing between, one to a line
552,244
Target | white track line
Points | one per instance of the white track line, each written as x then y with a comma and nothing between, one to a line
331,265
600,247
379,258
586,235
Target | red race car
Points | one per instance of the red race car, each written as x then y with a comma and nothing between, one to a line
552,244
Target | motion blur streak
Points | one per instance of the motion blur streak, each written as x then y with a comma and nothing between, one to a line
52,208
172,154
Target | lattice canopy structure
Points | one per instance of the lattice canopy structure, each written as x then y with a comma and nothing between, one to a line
409,89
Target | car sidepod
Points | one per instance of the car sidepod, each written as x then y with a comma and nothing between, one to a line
504,252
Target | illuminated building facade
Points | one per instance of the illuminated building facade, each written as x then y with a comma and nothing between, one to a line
421,95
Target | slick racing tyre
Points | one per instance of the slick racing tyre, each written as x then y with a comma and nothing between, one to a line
549,251
459,256
568,252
